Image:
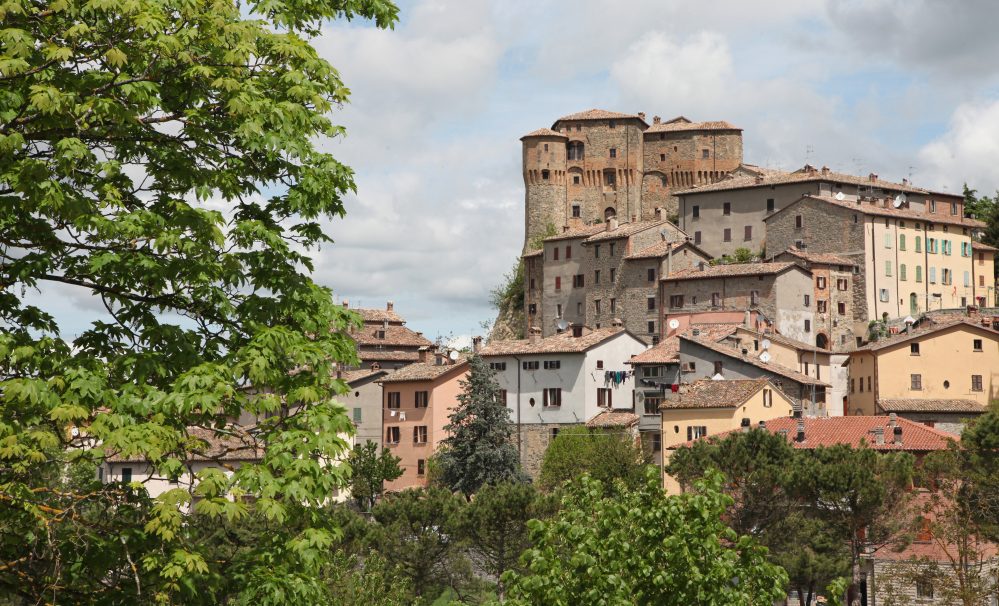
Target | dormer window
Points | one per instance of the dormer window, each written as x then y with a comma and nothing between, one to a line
379,334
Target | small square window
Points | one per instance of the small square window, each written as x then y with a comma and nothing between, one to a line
914,349
977,344
613,152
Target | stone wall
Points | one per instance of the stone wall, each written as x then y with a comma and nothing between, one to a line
544,171
534,441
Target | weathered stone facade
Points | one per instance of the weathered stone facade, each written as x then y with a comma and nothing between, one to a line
597,164
533,441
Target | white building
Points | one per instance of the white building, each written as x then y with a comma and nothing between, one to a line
565,379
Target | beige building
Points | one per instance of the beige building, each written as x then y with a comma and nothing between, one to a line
907,261
937,373
983,274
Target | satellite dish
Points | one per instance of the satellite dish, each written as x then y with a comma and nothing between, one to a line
766,343
840,196
75,432
899,200
453,355
909,320
674,324
562,325
765,357
718,377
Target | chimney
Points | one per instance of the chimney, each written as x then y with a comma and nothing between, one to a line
759,179
346,304
612,224
419,334
898,435
825,170
617,323
659,213
641,115
535,335
879,436
763,424
634,218
892,420
800,437
905,181
476,344
384,324
872,177
747,320
745,425
424,355
389,306
656,119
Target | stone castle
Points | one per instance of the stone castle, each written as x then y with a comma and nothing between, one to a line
595,165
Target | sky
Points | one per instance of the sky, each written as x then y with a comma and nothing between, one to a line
905,89
902,88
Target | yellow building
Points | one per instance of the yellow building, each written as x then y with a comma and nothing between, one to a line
707,408
984,270
937,373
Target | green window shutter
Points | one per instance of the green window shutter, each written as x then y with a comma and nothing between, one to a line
357,415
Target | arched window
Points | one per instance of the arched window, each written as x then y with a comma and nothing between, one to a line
575,150
822,341
609,213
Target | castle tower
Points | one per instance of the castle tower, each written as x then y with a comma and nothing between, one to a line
544,167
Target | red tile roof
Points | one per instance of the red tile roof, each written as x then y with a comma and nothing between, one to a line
383,355
533,253
705,393
424,371
544,132
597,114
577,232
771,367
802,175
626,229
868,208
930,405
817,258
668,350
927,327
395,336
730,270
982,246
610,418
560,343
377,315
682,124
854,430
659,250
356,376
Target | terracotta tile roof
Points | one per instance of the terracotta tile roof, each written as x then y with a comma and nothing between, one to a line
802,175
395,336
356,376
852,430
867,208
677,124
668,350
706,393
424,371
730,270
930,405
597,114
533,253
818,258
624,230
560,343
982,246
377,315
235,444
659,250
610,418
544,132
387,355
577,232
927,327
778,338
770,367
937,549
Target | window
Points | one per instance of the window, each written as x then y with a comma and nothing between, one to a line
913,349
613,152
695,211
797,222
901,272
915,382
612,124
768,398
532,283
604,395
652,327
883,295
946,276
727,235
532,309
558,283
651,405
754,297
976,382
747,233
705,153
887,268
613,308
575,150
697,237
501,397
868,384
820,282
613,273
718,367
497,366
650,303
727,208
420,434
821,306
357,415
600,364
933,275
555,254
696,431
553,396
394,398
662,157
553,364
841,283
953,208
579,308
422,399
657,441
676,301
545,174
924,589
568,252
577,280
126,474
596,277
379,334
901,241
841,308
808,326
611,247
887,240
596,306
392,435
931,245
919,247
981,280
919,273
770,205
421,467
575,208
853,385
531,365
609,179
651,274
554,433
596,251
977,344
933,206
807,300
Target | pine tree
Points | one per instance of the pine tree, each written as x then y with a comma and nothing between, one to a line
478,449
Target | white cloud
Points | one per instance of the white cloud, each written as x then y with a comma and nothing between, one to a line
968,152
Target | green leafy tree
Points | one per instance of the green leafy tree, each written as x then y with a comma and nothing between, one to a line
979,468
373,581
495,526
369,472
606,455
478,449
984,209
419,530
159,158
643,547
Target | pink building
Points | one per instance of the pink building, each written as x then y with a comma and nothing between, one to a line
418,400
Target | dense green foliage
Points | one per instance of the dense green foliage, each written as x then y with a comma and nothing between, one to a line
984,209
478,449
158,157
369,472
644,547
606,455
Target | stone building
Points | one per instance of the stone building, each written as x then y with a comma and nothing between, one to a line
592,275
907,260
729,213
597,164
562,380
783,293
832,279
384,341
